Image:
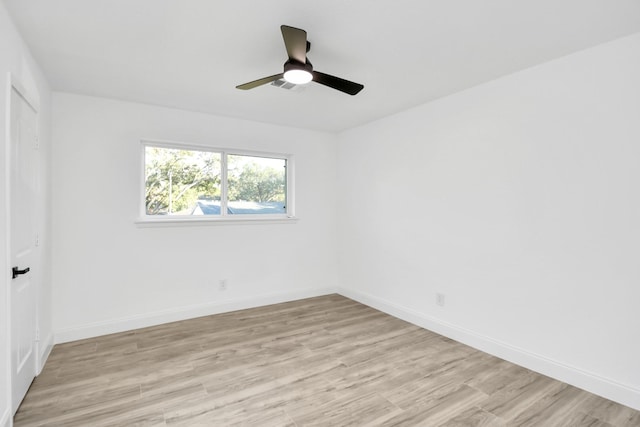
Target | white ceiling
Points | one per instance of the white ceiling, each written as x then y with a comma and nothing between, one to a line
190,54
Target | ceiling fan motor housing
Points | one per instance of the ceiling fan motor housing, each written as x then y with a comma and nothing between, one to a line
295,65
297,72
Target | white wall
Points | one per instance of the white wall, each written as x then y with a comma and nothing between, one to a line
16,59
518,200
110,274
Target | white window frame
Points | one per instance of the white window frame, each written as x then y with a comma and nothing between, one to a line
224,217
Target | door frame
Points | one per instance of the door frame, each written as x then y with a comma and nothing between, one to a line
14,83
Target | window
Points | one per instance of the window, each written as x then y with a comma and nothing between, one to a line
256,185
199,183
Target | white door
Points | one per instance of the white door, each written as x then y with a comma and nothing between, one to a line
22,241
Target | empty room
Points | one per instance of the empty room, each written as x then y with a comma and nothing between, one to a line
292,213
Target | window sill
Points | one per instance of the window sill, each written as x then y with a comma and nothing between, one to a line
206,221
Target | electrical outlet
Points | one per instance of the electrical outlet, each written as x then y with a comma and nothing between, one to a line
222,284
440,299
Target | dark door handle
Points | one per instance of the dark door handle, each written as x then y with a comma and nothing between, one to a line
16,272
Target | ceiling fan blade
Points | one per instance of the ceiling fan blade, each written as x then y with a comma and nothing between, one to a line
260,82
337,83
295,40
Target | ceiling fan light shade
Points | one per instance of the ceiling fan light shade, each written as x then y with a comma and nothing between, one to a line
298,77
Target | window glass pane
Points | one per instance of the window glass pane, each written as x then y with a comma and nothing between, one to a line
256,185
181,182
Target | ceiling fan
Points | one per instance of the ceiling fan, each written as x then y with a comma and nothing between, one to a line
298,69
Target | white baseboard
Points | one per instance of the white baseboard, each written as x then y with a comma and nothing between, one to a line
45,348
5,419
594,383
181,313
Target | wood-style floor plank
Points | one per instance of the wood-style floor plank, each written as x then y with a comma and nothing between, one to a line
325,361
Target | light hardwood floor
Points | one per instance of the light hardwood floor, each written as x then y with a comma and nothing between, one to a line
326,361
